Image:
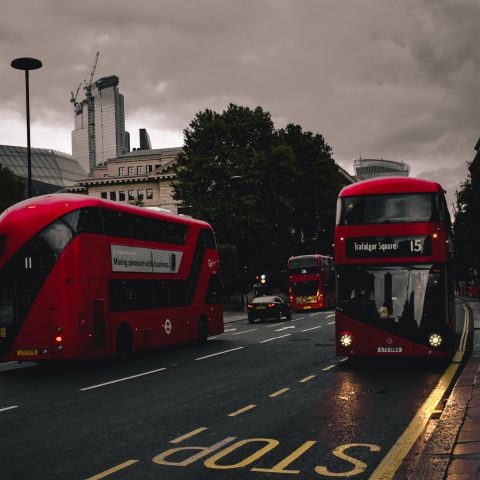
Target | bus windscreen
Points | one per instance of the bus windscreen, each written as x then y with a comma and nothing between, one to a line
391,208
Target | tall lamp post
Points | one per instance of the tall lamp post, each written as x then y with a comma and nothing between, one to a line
27,64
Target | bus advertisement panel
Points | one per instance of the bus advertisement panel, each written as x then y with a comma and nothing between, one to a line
311,282
82,277
393,257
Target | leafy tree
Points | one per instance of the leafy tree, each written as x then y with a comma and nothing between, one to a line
268,194
12,188
466,232
318,182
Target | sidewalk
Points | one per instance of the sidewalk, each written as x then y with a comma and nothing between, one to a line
234,316
450,447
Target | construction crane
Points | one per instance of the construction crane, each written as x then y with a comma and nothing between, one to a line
74,96
91,116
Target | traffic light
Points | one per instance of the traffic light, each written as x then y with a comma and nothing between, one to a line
263,279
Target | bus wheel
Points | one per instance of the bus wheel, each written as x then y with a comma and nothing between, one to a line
203,329
124,345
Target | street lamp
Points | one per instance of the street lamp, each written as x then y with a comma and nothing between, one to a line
27,64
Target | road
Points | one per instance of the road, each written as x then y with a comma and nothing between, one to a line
262,401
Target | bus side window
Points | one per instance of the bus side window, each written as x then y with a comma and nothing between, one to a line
117,224
90,220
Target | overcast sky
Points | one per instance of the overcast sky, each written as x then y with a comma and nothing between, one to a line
389,79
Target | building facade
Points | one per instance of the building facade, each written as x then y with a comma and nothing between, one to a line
366,168
142,177
52,171
99,132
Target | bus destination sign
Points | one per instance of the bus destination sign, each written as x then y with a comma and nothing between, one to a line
387,247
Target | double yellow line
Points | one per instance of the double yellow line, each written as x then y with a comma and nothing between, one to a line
397,454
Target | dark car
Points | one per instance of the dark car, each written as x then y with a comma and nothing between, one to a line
268,307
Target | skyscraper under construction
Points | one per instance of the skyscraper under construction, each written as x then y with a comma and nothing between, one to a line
99,124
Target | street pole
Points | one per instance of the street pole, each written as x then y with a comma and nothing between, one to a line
27,64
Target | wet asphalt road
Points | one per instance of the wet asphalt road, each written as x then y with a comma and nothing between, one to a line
262,401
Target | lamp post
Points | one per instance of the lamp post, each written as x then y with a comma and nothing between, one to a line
27,64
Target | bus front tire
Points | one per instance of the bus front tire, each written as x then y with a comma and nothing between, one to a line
124,346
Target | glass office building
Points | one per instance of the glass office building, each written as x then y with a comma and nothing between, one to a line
51,170
366,168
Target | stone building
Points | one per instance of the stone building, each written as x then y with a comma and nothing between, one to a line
143,177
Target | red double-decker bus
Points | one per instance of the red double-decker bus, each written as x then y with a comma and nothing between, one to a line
82,277
311,282
393,258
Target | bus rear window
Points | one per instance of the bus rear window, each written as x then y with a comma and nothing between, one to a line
391,208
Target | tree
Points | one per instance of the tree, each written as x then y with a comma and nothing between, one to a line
466,232
319,181
12,188
268,194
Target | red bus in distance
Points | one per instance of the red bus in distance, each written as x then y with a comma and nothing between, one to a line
311,282
393,258
82,278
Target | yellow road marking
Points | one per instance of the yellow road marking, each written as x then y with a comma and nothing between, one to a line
276,394
397,454
113,470
241,410
188,435
306,379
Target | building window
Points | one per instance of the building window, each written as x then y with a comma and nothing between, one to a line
131,195
105,174
131,171
140,195
149,168
121,171
103,194
149,194
113,196
121,196
140,170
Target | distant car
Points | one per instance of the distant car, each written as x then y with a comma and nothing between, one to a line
268,307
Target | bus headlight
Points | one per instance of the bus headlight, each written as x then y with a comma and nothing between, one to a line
435,340
346,339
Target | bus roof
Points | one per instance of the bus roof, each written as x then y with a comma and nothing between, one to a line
377,186
61,203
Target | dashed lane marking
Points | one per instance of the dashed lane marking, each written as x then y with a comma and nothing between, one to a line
106,473
313,328
276,394
328,368
122,379
330,323
275,338
306,379
8,408
245,331
241,410
188,435
219,353
329,316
